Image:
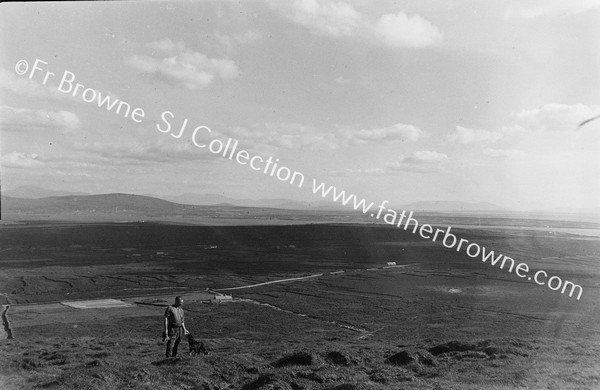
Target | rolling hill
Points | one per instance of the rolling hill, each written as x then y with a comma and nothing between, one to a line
132,208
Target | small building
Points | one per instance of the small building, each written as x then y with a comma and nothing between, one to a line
222,298
391,263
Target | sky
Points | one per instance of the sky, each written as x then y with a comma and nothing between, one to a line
453,100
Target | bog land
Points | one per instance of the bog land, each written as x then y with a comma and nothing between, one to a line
84,304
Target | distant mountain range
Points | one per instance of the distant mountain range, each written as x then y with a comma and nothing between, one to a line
453,206
32,192
190,199
216,199
139,208
218,209
106,203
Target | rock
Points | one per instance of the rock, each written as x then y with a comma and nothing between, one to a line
452,346
405,357
486,347
313,376
267,382
338,358
296,359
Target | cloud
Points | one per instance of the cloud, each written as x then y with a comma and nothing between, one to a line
100,156
550,8
137,152
407,30
166,46
21,160
559,118
23,86
274,136
339,19
422,161
395,133
503,153
23,119
182,66
464,135
425,157
330,18
555,117
358,172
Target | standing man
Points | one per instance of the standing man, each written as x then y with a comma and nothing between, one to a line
174,326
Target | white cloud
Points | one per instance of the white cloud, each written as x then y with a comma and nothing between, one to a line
331,18
407,30
84,157
358,172
137,152
562,119
185,67
340,19
423,161
166,46
19,119
539,8
21,160
23,86
464,135
503,153
277,136
274,136
230,42
425,157
555,117
395,133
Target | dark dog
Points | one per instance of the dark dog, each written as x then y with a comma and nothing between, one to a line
196,347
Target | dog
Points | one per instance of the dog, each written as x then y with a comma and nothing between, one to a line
196,346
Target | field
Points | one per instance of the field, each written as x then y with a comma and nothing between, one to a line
438,320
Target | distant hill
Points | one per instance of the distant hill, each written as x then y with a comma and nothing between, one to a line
33,192
279,203
288,204
132,208
452,206
197,199
569,210
106,203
